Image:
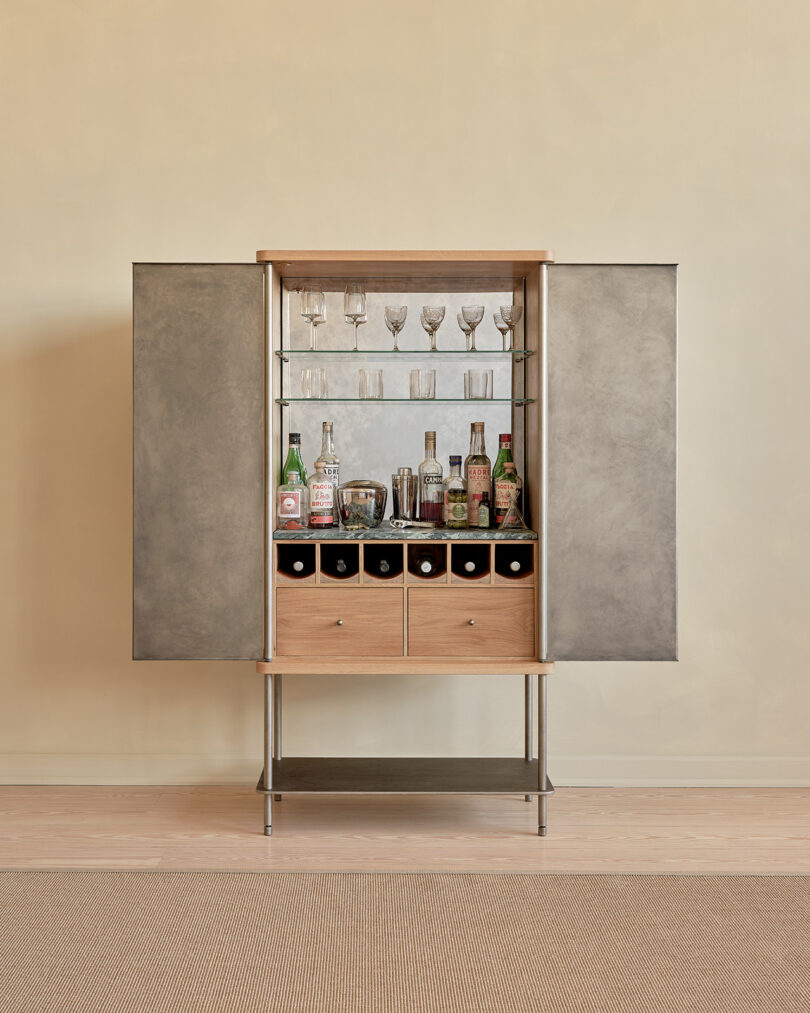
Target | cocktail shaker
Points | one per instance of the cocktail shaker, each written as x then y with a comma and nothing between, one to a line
403,487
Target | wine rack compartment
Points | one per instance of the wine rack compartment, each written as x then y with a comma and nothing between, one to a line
340,561
469,562
427,561
295,563
382,562
514,562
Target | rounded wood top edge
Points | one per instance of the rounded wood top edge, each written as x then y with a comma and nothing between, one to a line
404,666
405,256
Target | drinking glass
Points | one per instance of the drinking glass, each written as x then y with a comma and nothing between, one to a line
503,327
354,306
395,320
478,384
313,308
511,317
465,327
473,315
431,318
423,384
313,383
371,384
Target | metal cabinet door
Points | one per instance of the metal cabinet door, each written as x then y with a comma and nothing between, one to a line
611,560
198,465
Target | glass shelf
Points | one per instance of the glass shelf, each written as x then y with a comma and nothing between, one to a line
519,401
518,354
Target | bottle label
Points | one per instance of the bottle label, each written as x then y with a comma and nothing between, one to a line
504,491
455,511
479,478
289,505
321,496
332,471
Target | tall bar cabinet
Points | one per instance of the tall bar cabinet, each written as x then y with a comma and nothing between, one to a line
588,391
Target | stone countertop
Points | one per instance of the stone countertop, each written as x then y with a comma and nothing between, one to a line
385,532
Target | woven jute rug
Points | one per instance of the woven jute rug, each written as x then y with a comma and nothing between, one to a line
171,941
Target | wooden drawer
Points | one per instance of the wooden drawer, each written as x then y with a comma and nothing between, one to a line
471,622
339,622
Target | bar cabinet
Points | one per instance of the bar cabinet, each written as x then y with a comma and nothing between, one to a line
588,391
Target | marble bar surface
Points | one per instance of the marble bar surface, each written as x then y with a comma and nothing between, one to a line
386,532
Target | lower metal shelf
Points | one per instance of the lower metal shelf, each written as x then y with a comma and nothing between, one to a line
406,775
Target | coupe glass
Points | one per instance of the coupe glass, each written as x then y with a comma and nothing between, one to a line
511,317
370,384
395,320
313,308
465,327
354,306
473,315
503,327
431,318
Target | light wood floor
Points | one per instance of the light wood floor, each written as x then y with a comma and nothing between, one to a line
762,830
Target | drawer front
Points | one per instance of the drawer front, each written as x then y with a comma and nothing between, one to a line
491,622
339,622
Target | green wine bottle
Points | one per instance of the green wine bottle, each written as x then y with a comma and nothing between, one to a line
294,462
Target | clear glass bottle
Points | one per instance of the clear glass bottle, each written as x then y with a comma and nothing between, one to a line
477,472
294,462
455,496
507,488
292,503
322,499
327,457
430,483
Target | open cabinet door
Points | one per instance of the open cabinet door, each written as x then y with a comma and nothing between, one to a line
198,461
612,392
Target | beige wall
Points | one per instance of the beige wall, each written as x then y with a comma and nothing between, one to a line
632,131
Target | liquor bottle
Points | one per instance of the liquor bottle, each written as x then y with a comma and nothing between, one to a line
504,455
427,563
294,462
322,499
483,510
477,472
292,503
455,496
430,483
328,457
507,488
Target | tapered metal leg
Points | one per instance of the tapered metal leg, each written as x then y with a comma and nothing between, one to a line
269,725
527,718
542,766
277,722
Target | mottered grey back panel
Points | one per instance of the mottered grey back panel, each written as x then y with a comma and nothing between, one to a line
198,461
612,354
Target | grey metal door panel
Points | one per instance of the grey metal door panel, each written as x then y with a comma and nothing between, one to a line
612,358
198,461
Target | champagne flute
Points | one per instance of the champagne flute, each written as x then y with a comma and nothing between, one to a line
313,309
354,306
465,327
511,317
503,327
473,315
395,320
431,318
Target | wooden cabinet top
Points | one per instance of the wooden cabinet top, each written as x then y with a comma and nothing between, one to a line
496,264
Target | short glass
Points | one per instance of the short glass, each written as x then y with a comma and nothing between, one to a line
423,384
370,384
314,383
478,384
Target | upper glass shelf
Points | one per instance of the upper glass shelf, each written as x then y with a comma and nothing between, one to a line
519,401
516,353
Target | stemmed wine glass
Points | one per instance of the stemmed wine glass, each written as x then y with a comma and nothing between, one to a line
313,308
473,315
431,318
395,321
354,306
511,317
465,327
502,326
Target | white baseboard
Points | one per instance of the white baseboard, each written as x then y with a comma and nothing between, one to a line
608,771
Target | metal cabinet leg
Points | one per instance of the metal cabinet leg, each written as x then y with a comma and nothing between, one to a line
528,707
269,725
277,723
542,765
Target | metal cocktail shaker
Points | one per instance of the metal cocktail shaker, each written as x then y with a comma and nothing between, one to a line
403,487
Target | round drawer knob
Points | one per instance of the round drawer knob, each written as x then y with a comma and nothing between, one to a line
340,622
471,622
